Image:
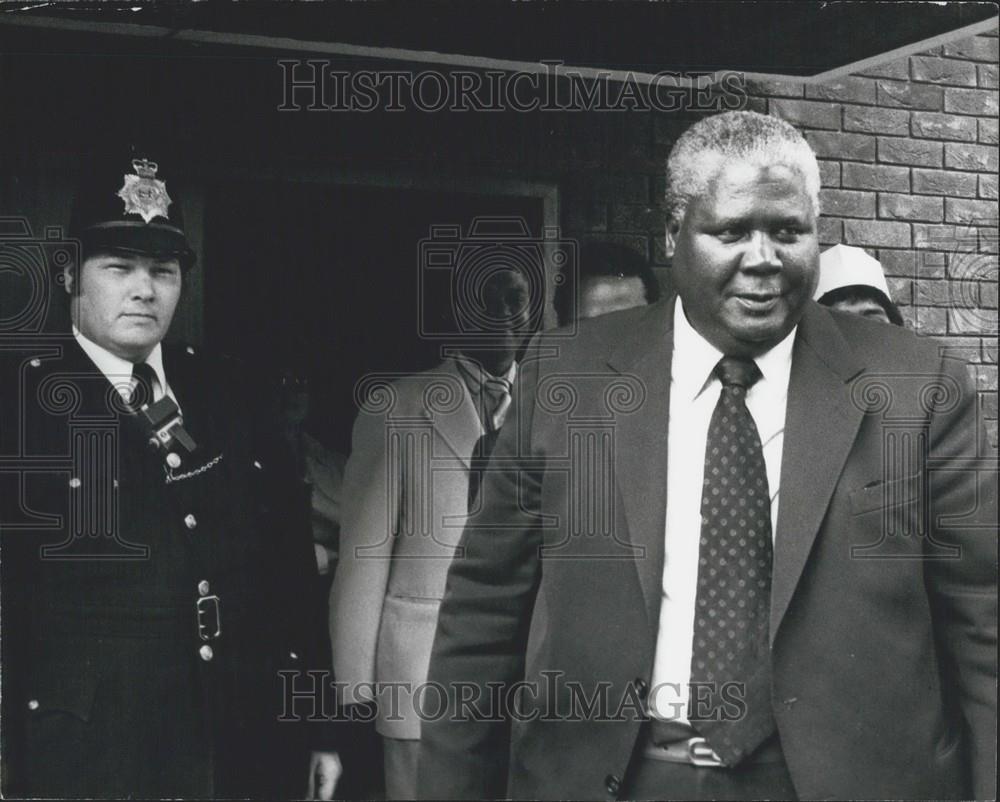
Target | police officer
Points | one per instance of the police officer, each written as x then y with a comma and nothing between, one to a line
155,561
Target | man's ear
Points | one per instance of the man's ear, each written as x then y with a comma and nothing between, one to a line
68,278
673,227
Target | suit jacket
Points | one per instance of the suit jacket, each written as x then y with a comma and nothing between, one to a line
406,490
883,606
108,689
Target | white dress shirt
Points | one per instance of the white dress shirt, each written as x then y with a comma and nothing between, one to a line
694,393
118,371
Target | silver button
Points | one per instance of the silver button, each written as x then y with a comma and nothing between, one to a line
35,363
206,653
293,655
190,521
257,465
114,482
203,587
33,704
75,482
173,460
190,350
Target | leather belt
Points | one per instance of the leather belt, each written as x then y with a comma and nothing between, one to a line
674,742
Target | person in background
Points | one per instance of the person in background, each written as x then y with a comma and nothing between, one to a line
420,448
153,594
852,281
610,277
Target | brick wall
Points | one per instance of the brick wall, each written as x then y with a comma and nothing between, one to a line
908,153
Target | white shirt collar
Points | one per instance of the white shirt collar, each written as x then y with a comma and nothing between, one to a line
694,358
118,371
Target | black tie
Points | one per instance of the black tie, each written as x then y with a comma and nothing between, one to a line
730,702
143,377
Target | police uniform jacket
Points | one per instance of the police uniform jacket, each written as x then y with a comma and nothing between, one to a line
147,608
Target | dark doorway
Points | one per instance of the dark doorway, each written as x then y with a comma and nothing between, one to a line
324,281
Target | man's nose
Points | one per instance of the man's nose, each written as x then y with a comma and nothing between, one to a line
761,253
142,285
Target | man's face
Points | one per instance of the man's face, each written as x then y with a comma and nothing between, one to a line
745,257
863,306
506,303
604,294
125,302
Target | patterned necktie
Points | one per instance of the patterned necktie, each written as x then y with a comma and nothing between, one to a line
143,381
496,402
730,701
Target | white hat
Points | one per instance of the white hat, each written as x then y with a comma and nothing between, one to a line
845,266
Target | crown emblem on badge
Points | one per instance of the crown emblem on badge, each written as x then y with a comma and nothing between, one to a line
144,194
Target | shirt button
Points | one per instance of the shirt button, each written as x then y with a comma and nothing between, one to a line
173,460
206,653
190,521
33,704
203,587
612,783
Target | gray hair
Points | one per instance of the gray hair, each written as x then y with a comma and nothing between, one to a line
748,136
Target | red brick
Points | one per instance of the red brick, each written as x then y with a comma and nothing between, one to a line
830,231
868,120
776,88
847,203
942,182
910,96
851,89
988,132
630,217
910,207
964,348
972,212
930,264
988,187
930,320
972,267
898,69
934,125
829,173
971,101
987,76
970,157
899,263
933,293
988,405
877,233
930,69
867,176
988,294
806,113
991,433
986,377
988,242
943,237
855,147
974,321
900,290
895,150
976,48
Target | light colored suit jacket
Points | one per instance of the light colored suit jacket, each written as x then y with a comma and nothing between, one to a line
405,505
883,617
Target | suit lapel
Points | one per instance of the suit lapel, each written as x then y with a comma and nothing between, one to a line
641,447
461,428
821,423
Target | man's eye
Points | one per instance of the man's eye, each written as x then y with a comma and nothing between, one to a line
788,234
730,234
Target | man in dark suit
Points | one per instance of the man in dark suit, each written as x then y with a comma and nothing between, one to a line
747,543
155,540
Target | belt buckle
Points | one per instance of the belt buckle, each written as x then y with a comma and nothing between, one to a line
701,754
204,629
